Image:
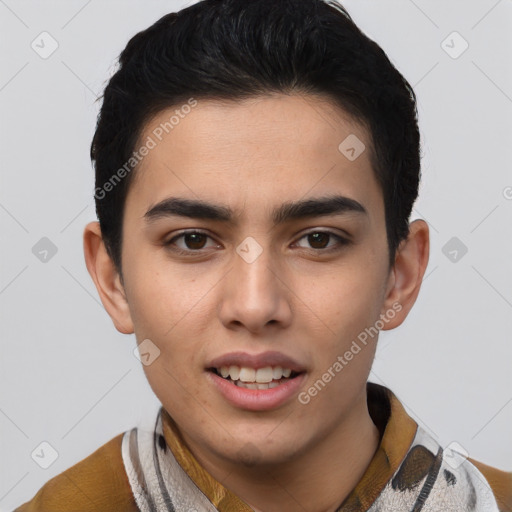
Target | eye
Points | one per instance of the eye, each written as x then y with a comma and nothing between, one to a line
319,241
195,242
192,241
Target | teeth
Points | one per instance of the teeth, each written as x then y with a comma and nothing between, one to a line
250,375
247,374
264,375
278,372
253,385
248,385
234,372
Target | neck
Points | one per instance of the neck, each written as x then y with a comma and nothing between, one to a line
319,479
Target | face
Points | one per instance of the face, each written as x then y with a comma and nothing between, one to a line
222,274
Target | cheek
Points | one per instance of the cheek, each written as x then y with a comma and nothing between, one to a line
346,339
347,300
173,310
348,303
163,298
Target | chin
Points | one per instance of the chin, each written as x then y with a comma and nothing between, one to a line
253,454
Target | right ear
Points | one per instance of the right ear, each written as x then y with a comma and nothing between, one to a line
106,278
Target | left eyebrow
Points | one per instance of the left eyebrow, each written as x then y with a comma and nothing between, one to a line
307,208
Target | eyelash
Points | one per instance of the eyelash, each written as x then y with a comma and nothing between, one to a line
341,242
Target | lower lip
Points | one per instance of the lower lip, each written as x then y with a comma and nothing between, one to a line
257,399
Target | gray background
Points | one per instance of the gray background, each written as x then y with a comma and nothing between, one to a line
69,378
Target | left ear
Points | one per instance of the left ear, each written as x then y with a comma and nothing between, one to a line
406,276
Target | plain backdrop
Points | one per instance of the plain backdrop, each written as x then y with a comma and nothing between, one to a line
68,378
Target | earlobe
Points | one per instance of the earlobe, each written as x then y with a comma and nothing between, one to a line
106,278
407,274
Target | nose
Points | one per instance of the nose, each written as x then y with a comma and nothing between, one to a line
255,295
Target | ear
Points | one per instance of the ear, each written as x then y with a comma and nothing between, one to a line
406,276
106,278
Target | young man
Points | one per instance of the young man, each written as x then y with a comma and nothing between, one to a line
256,167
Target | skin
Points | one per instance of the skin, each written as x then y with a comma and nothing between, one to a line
252,156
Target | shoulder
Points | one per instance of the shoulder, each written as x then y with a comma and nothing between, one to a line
98,482
500,483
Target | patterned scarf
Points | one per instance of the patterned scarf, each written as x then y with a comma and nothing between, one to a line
429,479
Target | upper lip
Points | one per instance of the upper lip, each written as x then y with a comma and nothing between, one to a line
256,361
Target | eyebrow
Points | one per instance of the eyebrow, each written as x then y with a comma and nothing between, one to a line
307,208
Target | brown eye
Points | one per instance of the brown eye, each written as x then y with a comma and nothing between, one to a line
194,240
189,242
320,241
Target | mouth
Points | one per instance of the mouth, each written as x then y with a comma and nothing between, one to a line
256,382
246,377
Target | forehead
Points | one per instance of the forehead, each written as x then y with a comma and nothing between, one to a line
254,152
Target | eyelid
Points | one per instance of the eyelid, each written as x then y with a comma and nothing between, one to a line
329,231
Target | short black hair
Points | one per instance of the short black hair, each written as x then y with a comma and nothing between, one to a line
238,49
